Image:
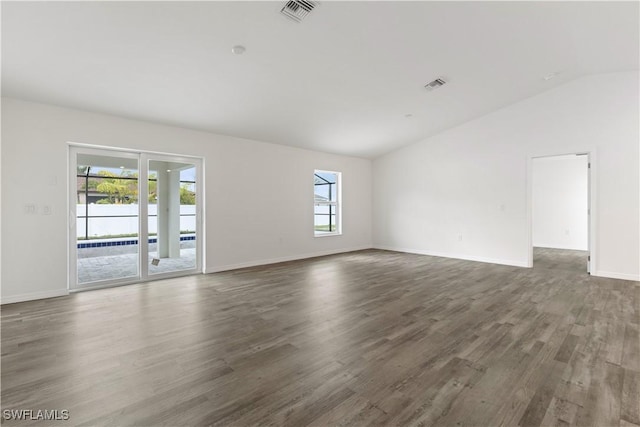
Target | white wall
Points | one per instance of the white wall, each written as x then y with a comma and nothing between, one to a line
241,178
463,192
560,202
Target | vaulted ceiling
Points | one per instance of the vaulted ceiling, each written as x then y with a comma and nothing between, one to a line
349,79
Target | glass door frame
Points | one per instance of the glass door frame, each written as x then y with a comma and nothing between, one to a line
145,158
142,157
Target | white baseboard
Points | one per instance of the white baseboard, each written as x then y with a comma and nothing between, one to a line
621,276
283,259
550,246
454,256
33,296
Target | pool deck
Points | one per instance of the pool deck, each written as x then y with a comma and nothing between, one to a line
111,266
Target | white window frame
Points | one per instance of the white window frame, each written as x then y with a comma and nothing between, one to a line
337,204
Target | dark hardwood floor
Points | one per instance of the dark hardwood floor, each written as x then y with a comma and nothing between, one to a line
365,338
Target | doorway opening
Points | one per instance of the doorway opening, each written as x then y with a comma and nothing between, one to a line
560,213
133,217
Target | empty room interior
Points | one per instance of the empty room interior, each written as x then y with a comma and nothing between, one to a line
321,213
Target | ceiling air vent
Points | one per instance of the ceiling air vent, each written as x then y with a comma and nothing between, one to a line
434,84
298,9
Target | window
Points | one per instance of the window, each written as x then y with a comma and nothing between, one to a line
326,203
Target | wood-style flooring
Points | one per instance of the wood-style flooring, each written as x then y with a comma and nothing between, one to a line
365,338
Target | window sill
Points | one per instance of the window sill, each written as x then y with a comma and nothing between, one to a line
327,234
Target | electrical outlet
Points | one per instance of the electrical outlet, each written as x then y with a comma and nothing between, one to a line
30,209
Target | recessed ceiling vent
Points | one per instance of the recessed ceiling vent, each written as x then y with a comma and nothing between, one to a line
434,84
298,9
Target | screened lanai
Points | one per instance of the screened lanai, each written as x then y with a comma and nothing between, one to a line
108,218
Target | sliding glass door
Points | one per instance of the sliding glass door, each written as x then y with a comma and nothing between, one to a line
133,216
172,215
105,198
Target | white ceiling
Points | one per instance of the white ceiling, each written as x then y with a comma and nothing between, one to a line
342,81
